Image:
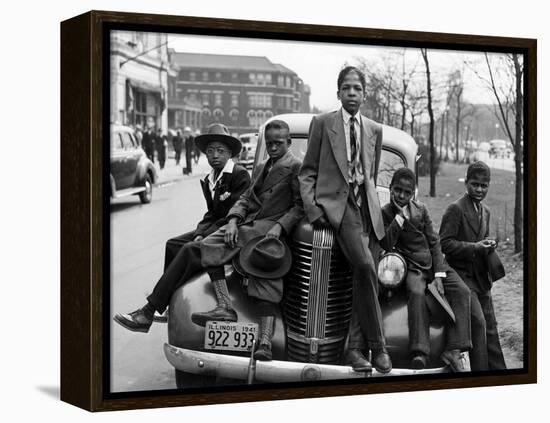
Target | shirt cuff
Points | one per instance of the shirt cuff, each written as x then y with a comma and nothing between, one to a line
440,274
399,219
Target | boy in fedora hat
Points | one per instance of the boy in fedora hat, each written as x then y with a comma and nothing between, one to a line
464,236
409,231
221,188
270,208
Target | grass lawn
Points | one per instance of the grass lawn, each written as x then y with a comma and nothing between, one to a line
507,292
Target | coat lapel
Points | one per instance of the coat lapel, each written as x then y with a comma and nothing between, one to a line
368,143
206,192
277,172
416,217
472,217
337,138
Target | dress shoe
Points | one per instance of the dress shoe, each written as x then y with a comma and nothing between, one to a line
381,360
453,359
419,361
137,321
355,358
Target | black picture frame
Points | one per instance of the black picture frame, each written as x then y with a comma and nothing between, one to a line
84,205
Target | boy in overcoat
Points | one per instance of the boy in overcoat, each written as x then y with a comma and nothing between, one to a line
464,236
410,232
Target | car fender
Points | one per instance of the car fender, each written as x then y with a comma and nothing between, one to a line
145,166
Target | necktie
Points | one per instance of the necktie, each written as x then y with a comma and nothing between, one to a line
353,150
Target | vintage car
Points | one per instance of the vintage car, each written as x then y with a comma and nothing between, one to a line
132,173
248,151
311,330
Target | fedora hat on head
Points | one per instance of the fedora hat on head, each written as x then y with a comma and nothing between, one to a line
218,132
267,258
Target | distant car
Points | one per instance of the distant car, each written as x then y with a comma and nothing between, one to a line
246,156
132,173
499,149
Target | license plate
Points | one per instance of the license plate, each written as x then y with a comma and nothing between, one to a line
230,336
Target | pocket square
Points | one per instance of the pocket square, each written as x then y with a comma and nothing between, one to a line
225,196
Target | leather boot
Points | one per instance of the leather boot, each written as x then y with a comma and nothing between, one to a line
223,312
136,321
267,327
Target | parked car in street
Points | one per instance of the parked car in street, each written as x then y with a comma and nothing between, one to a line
132,173
499,149
248,151
312,325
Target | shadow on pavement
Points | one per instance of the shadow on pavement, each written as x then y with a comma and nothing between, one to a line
51,391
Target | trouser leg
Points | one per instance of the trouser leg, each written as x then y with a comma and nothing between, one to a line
185,265
366,312
495,357
173,245
418,317
458,295
478,354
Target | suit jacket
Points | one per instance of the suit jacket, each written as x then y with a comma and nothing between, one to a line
275,198
230,187
324,176
417,240
460,230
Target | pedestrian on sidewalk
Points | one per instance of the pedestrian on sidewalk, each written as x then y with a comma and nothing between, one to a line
147,143
160,146
189,147
177,142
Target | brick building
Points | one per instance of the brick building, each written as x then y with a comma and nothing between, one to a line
238,91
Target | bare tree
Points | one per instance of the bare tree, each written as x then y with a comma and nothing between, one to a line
505,81
424,52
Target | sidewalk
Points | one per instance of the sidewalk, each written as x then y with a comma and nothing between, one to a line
173,173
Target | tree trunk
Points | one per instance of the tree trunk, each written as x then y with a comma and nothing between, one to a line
458,119
518,158
432,123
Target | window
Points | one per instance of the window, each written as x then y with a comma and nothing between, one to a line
127,143
217,99
252,78
234,77
389,163
234,100
218,76
205,76
205,99
234,115
192,76
268,79
280,80
251,115
267,101
206,113
116,142
260,78
218,115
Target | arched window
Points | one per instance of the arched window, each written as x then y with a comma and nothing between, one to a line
206,113
218,115
251,115
234,115
260,117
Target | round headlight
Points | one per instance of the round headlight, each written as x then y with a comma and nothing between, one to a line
391,270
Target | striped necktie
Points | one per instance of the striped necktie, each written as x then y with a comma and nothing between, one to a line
353,150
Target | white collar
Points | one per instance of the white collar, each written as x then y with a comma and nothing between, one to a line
347,116
228,168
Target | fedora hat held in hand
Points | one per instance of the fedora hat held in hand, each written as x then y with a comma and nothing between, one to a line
265,257
218,132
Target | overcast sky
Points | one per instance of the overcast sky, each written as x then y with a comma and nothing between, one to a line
318,64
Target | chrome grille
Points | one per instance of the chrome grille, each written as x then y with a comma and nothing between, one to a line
317,303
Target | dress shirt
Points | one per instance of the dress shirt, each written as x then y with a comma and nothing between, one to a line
213,181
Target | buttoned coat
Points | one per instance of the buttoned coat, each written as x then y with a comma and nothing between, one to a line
460,229
275,198
326,191
417,240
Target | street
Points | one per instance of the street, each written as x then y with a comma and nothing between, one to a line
138,236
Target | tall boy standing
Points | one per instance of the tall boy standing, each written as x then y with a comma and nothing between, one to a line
337,184
464,235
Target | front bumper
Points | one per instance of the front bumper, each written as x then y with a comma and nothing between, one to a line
232,367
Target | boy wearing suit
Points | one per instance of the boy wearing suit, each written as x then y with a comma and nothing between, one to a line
221,188
464,235
270,208
410,232
337,184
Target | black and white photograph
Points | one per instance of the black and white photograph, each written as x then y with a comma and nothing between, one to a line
297,211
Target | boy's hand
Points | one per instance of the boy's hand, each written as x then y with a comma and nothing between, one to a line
438,283
275,231
198,238
398,208
485,245
231,235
